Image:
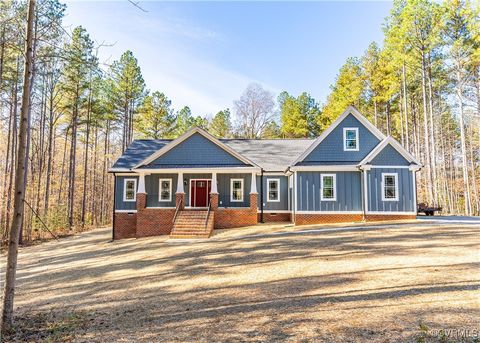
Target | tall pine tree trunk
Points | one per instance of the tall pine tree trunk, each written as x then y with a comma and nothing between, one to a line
11,267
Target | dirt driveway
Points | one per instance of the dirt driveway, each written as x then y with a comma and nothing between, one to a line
387,283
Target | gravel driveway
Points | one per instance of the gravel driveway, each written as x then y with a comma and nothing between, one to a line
386,283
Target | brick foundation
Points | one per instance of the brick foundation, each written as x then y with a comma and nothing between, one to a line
154,221
227,218
275,217
125,225
308,219
385,217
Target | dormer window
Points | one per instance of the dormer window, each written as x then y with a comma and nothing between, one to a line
350,139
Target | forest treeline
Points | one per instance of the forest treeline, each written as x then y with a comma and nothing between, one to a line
421,85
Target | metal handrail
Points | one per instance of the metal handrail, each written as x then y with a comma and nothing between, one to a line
208,214
176,210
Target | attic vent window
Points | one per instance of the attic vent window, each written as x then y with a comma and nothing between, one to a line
350,139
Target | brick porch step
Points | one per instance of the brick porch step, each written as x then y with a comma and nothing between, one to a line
191,224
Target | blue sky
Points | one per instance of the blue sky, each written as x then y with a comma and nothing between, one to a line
204,54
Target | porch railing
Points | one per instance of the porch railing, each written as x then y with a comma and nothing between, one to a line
177,208
208,215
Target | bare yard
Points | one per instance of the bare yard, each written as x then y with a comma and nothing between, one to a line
388,283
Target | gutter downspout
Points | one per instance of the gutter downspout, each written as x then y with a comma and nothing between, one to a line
261,196
113,208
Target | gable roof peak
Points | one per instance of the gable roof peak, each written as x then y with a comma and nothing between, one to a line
184,137
396,145
350,110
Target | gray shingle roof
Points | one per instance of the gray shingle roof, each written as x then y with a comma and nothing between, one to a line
270,154
139,150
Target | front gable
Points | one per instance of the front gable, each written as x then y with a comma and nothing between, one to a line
389,156
329,147
196,150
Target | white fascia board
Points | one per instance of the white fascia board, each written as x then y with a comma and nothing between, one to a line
119,170
397,146
188,134
350,110
331,168
246,170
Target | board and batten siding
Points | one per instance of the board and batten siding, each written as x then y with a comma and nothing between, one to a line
389,156
195,151
119,203
224,190
406,196
348,192
152,187
330,150
281,205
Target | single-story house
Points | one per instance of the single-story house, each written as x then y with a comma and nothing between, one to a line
196,183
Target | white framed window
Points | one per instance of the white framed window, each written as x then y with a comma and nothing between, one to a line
350,139
130,190
389,187
328,187
236,190
165,190
273,190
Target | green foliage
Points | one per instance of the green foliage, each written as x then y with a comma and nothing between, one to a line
347,90
299,116
272,130
221,125
156,119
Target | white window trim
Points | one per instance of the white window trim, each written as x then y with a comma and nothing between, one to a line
345,129
125,190
268,190
231,190
334,187
160,190
395,175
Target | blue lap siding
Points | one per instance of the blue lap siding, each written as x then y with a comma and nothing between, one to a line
389,156
119,203
152,188
197,151
224,190
348,192
405,201
281,205
330,150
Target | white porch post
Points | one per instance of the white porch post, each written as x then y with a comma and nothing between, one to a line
253,184
180,183
214,188
141,183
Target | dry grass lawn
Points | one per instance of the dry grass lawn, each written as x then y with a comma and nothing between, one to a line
390,283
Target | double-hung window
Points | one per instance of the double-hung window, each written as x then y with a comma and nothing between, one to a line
328,187
236,190
273,190
130,190
389,187
165,191
350,139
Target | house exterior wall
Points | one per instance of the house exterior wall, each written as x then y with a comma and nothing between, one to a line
283,204
224,190
119,203
330,150
152,188
196,151
348,192
389,156
406,196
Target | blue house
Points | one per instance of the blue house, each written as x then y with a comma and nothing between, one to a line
189,186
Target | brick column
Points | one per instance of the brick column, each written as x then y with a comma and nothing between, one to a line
141,201
214,201
180,197
253,202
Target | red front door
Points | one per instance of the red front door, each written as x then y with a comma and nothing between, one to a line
200,193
